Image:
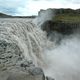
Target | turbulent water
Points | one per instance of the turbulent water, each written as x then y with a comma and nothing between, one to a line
25,35
61,61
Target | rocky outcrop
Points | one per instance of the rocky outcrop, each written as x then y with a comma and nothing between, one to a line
32,73
60,27
24,76
49,78
46,21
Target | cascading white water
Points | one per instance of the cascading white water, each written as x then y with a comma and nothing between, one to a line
26,35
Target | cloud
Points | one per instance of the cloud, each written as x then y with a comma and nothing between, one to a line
11,6
76,1
8,10
11,3
35,5
31,7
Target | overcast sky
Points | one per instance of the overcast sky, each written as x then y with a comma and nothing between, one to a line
31,7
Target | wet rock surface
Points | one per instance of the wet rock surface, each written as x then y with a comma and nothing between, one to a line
61,27
29,74
18,72
49,78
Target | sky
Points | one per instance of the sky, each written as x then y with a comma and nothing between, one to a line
31,7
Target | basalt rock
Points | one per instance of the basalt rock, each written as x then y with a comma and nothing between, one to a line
49,78
60,27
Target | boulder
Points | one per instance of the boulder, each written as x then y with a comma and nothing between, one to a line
33,74
49,78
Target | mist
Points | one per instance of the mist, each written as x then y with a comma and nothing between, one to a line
64,60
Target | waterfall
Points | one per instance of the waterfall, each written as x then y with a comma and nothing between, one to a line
29,38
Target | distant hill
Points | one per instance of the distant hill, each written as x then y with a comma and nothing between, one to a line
67,11
67,15
2,15
24,16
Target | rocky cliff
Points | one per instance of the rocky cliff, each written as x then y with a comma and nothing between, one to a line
60,27
64,21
